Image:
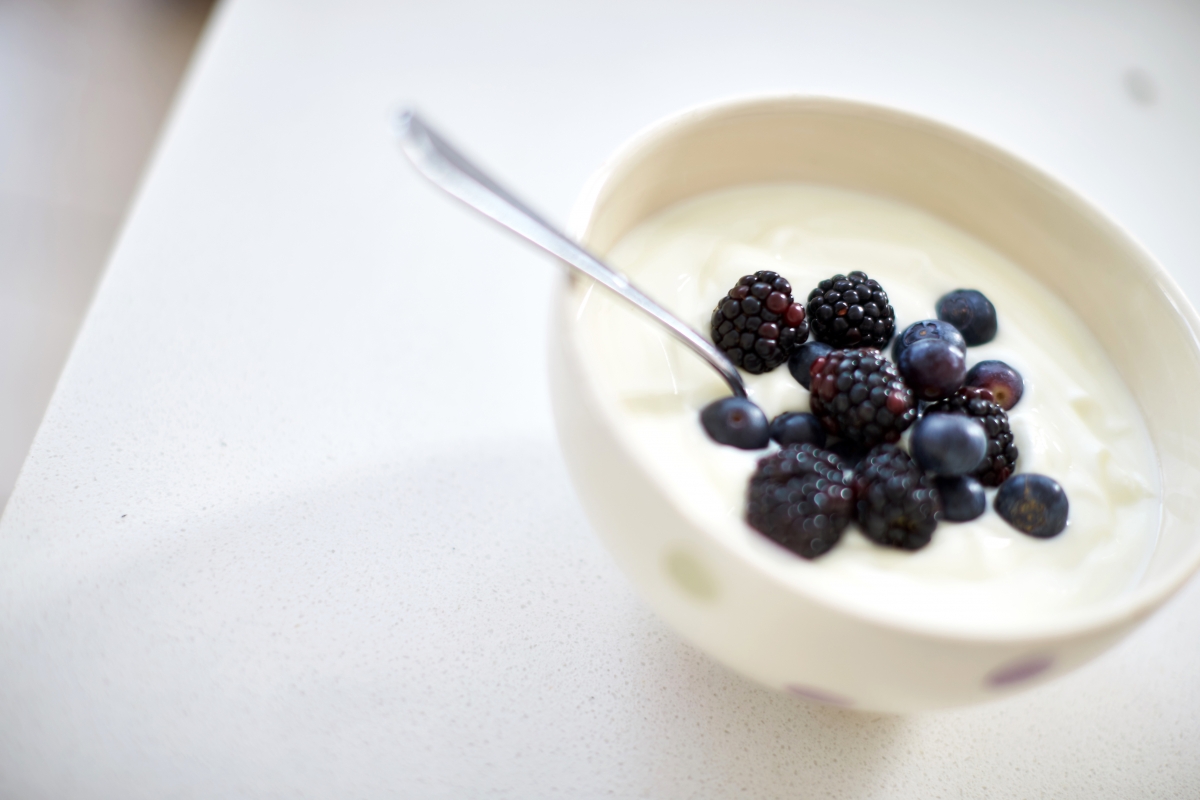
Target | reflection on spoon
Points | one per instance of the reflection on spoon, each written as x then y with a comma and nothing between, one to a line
451,171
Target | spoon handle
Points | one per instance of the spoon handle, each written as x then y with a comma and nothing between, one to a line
450,170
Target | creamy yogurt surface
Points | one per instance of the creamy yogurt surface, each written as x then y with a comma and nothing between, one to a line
1077,422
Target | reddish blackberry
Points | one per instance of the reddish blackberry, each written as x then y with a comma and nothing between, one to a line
858,395
1001,458
799,498
851,311
758,324
896,503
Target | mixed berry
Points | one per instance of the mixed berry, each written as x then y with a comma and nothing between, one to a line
843,460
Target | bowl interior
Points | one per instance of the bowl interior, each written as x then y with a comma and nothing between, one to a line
1073,250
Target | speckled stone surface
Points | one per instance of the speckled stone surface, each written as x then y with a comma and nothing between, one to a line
292,529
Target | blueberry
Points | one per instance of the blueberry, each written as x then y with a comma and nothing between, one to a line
970,312
963,498
927,329
1033,504
948,444
792,427
933,368
802,360
737,422
1000,379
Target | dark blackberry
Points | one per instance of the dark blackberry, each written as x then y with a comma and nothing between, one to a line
851,311
1001,458
758,324
850,453
858,395
896,503
799,498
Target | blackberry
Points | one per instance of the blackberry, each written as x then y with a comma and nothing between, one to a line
799,498
851,311
850,453
896,503
858,396
1001,458
758,324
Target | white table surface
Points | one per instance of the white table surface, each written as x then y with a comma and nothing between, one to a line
296,524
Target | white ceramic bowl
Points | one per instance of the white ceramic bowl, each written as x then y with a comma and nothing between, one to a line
741,610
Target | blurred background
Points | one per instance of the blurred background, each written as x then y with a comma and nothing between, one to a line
1099,91
85,86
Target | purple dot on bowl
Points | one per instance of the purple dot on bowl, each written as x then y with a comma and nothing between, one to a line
1018,671
820,695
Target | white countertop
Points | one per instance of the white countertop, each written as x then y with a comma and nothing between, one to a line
296,524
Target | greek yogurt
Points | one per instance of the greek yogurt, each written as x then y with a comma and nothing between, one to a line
1076,422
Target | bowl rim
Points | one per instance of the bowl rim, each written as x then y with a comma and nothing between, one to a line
1129,606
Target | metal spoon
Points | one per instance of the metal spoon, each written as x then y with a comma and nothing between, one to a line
450,170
